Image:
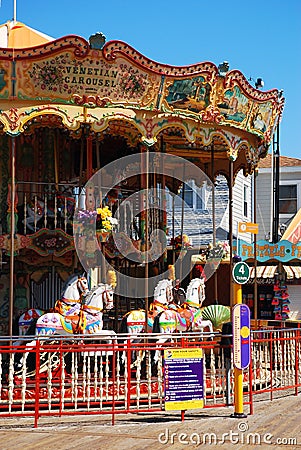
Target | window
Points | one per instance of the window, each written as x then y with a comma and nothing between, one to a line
199,202
188,194
288,199
194,196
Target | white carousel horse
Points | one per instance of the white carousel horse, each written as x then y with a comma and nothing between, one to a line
89,320
188,317
73,289
27,318
134,322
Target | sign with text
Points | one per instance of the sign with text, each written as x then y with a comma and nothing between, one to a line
183,379
241,273
241,324
248,227
282,251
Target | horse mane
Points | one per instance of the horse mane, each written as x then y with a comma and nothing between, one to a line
191,285
94,289
158,287
68,282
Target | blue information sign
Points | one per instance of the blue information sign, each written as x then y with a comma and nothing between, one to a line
241,336
183,379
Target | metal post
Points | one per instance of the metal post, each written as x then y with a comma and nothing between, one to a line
214,222
238,373
12,238
255,255
231,228
276,155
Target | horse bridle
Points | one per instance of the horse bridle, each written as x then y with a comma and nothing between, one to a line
106,297
80,285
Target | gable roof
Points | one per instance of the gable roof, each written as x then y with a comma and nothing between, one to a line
18,35
285,161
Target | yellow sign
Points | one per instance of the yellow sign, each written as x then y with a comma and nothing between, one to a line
248,227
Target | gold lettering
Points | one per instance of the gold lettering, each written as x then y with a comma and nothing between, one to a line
260,251
273,251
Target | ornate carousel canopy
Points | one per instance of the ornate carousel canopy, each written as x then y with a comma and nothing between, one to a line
111,89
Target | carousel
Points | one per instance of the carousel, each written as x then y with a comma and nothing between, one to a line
84,127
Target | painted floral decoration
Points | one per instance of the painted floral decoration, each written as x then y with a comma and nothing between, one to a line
132,82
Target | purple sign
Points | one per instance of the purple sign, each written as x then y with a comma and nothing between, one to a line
241,336
183,379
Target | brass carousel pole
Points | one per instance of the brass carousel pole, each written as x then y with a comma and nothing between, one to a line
213,222
12,238
182,224
145,187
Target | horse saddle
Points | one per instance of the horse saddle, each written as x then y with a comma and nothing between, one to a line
65,309
185,313
75,324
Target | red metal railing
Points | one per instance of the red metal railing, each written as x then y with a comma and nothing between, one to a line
81,376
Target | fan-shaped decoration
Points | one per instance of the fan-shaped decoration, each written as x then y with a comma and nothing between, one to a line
217,314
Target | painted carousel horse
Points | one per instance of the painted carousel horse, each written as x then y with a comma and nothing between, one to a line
85,320
74,288
187,317
134,322
88,320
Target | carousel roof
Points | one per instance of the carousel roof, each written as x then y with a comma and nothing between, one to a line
109,88
15,34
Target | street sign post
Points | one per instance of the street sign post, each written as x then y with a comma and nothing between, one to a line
241,272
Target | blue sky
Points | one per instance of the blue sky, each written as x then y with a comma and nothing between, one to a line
261,39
